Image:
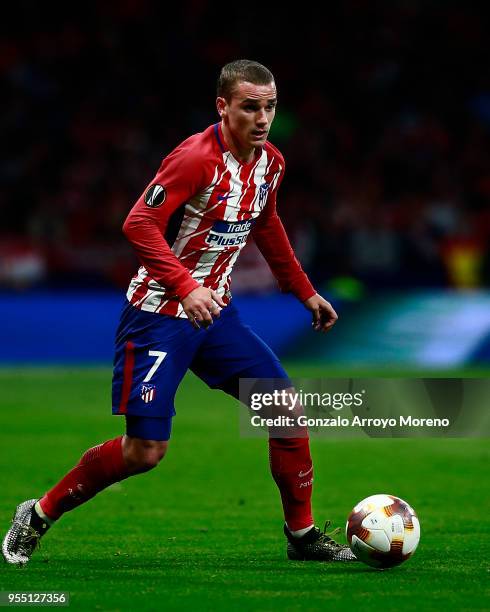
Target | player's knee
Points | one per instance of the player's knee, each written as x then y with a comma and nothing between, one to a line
143,455
152,455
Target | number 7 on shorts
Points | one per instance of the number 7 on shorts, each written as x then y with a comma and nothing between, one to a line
160,355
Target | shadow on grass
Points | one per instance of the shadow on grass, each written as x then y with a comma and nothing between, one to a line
275,568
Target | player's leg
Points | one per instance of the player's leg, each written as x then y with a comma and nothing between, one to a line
233,351
99,467
103,465
152,356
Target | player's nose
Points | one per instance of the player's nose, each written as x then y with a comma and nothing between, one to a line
261,118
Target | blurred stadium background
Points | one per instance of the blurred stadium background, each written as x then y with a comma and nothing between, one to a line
384,121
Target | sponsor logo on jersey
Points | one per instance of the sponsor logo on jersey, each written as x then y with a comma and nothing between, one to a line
155,196
224,233
148,392
263,190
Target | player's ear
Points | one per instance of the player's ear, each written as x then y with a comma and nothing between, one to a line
221,106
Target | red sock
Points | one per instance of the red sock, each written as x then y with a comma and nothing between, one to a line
98,468
291,468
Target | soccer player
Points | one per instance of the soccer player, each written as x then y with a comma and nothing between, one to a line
188,228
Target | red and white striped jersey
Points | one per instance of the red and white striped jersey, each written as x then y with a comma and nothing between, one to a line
191,222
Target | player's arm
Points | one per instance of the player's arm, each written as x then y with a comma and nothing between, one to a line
271,238
180,176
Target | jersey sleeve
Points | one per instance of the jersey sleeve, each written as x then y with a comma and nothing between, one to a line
180,176
271,238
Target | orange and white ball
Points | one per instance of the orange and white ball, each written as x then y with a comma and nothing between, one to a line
383,531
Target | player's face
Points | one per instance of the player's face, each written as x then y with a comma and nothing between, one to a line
249,114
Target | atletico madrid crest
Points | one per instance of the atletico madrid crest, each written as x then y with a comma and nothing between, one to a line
264,188
148,392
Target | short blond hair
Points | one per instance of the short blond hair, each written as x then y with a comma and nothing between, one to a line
242,70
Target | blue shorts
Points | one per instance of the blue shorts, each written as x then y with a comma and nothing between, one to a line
154,351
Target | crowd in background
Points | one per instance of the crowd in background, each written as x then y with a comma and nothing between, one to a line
383,118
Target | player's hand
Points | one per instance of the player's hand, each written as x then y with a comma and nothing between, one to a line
324,316
201,305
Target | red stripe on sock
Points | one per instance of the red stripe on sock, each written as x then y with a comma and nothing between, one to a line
127,377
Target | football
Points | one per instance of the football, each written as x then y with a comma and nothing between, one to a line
383,531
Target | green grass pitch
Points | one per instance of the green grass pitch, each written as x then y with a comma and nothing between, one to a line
203,531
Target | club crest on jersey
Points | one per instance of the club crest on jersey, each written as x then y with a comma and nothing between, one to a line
228,234
263,190
155,196
148,392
